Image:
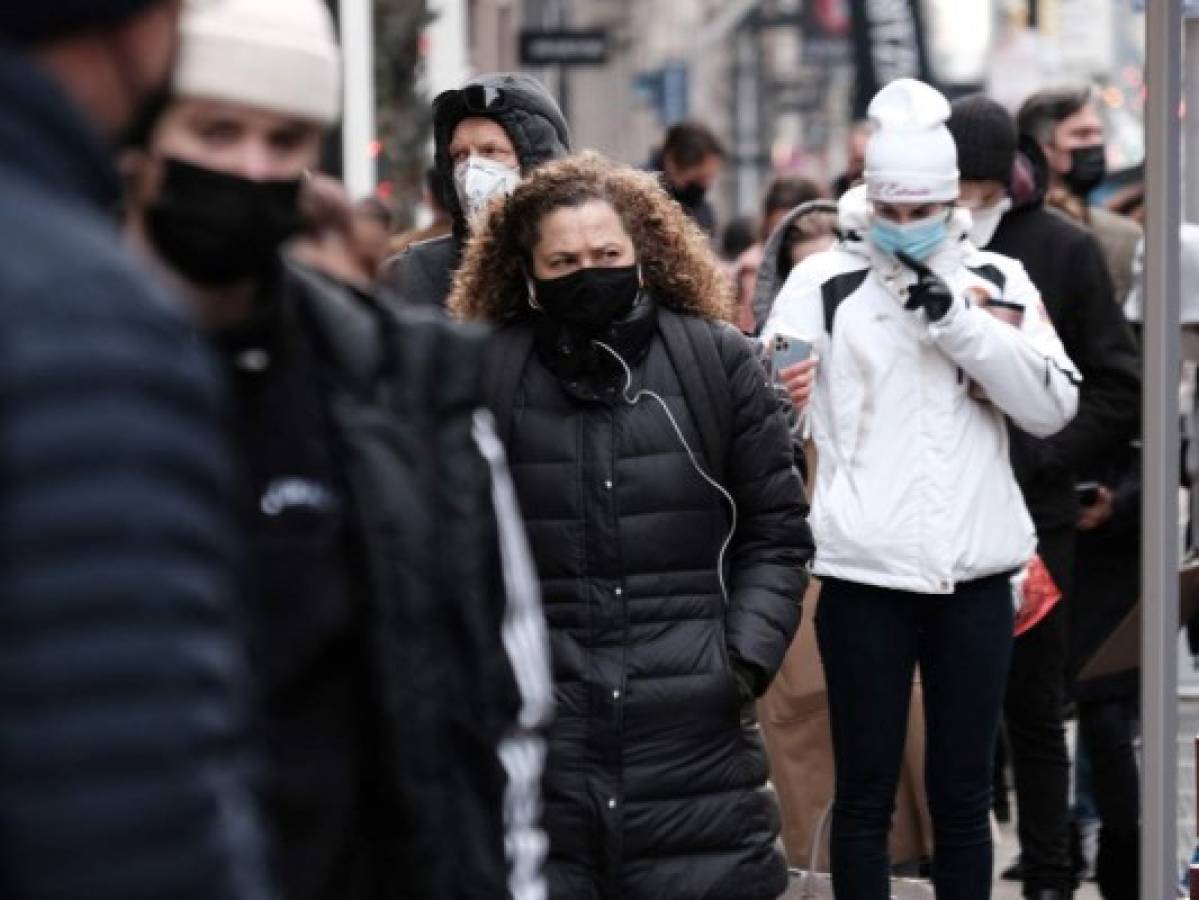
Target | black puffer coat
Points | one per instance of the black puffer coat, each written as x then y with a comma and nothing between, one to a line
655,781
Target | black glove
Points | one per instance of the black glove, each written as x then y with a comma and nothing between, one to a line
929,291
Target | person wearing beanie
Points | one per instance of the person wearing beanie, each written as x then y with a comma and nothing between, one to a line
487,135
126,762
395,633
921,346
1004,184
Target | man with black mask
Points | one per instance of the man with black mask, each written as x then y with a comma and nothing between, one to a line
1004,181
374,590
690,159
487,136
1066,125
123,754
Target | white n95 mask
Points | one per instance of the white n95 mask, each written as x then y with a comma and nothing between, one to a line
985,221
478,180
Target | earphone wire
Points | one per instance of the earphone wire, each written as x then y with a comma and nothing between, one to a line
632,400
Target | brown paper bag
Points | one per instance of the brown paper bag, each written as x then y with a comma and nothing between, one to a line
794,718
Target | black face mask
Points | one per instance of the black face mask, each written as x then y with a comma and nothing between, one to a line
690,195
216,228
591,298
1088,166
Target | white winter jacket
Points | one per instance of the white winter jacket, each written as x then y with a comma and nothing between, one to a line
914,487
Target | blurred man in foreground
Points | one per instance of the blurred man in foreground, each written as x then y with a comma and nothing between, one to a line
122,756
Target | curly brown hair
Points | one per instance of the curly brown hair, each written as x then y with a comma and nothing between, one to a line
677,262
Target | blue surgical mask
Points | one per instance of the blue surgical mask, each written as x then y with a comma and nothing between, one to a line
917,239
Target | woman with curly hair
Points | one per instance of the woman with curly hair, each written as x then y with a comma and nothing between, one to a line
668,524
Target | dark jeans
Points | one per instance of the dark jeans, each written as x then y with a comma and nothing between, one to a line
1107,729
1036,732
871,640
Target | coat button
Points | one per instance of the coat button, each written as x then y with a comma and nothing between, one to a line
608,484
611,803
620,592
616,695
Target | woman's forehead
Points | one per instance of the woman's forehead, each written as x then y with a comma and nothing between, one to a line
589,222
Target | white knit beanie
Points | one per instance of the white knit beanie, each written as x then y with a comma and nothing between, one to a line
911,156
279,55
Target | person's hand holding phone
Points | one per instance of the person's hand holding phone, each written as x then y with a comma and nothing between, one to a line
799,380
794,365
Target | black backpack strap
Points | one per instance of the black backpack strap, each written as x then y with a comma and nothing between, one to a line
508,351
692,347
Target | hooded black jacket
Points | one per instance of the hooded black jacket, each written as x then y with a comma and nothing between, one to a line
123,750
655,783
1066,264
423,274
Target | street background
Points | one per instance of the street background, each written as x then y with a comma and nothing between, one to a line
781,82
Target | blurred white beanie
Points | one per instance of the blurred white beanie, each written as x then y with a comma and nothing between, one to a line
911,156
279,55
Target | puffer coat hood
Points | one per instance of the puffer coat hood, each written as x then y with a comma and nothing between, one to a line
772,274
520,104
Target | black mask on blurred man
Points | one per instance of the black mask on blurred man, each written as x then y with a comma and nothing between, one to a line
217,229
690,195
1088,167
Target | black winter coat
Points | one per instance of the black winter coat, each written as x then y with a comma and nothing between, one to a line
1107,575
438,604
123,749
1066,264
655,781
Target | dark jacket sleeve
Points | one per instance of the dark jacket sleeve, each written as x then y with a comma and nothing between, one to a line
767,562
1101,345
423,274
123,765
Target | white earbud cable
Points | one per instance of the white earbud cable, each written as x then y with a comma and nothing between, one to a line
633,400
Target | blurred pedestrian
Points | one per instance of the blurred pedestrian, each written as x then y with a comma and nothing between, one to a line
370,234
487,135
859,136
918,520
737,237
1065,122
402,758
441,224
124,768
654,469
1066,266
690,161
808,229
782,196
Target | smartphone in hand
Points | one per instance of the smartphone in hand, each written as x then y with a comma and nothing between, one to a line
786,351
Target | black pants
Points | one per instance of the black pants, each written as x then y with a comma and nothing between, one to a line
871,640
1035,713
1108,729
